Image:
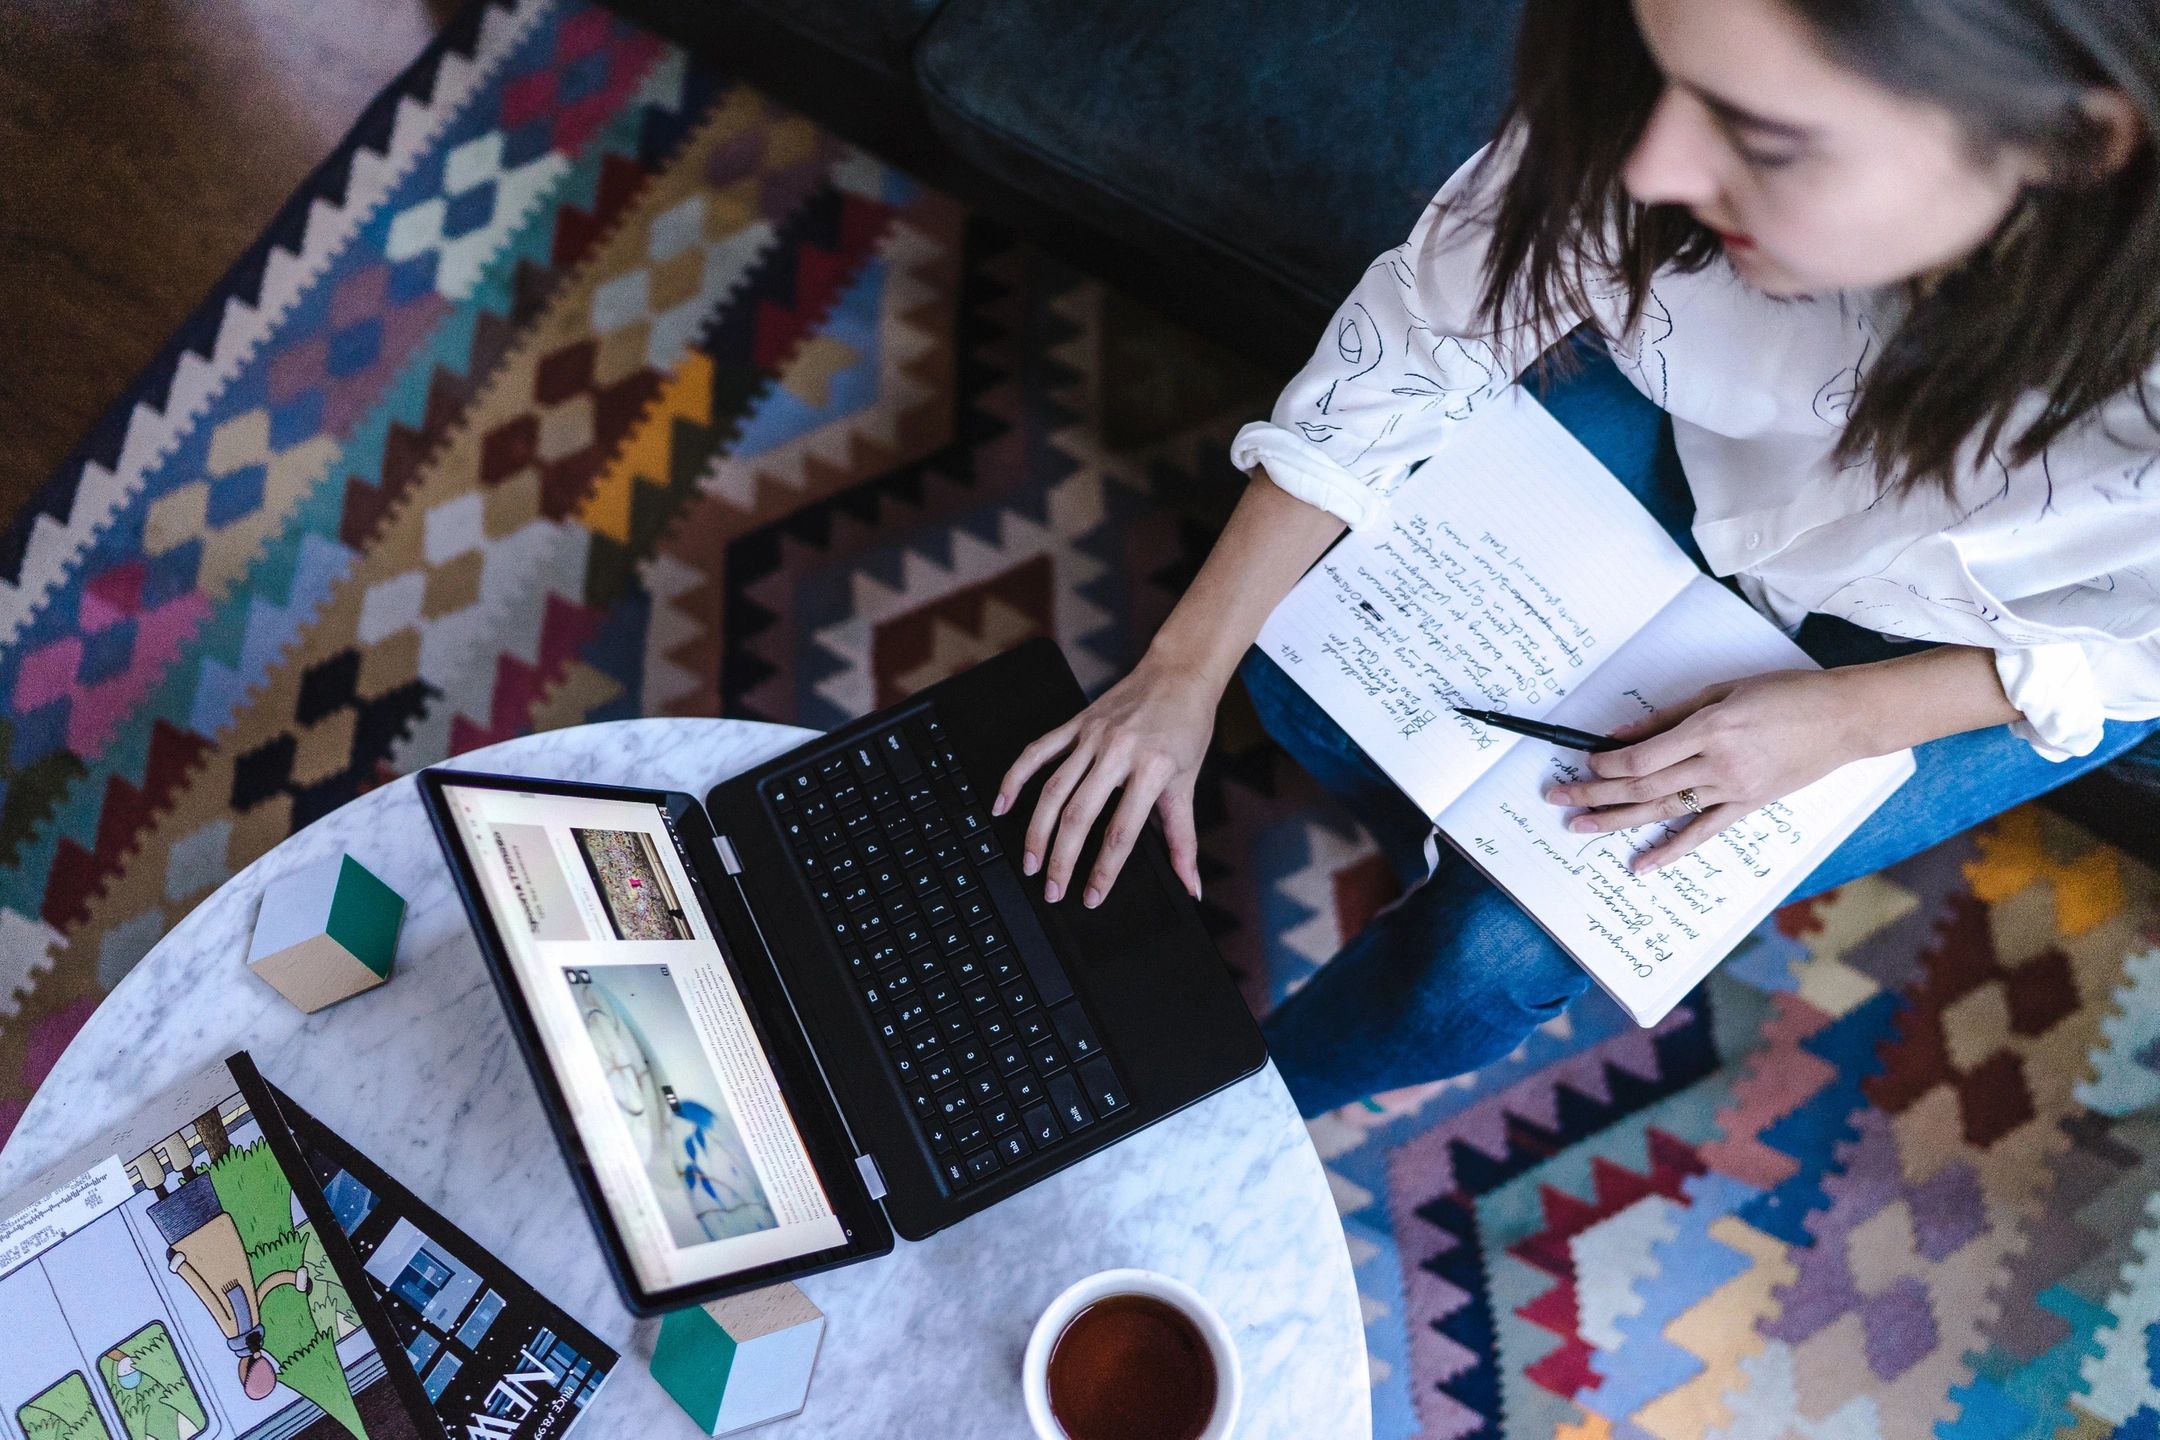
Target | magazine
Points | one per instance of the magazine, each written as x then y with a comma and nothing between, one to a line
192,1277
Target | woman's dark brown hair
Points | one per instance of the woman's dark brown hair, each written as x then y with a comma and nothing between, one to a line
2063,303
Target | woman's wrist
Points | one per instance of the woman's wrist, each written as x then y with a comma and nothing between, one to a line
1895,704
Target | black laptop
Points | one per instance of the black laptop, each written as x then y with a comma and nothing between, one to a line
824,1006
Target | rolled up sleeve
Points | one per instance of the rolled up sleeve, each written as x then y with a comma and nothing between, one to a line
2055,687
1404,359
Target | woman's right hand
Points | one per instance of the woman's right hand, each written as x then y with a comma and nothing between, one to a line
1146,737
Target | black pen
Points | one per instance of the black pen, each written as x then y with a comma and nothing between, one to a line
1539,730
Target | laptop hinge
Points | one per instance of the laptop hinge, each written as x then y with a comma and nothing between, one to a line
872,1177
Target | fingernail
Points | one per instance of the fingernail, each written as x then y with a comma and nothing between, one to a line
1582,825
1556,797
1029,864
1052,890
1092,898
997,806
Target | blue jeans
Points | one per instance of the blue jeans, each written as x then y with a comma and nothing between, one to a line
1456,976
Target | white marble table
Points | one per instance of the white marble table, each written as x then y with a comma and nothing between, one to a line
422,1075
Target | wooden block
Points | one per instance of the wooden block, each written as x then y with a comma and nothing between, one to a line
325,933
740,1362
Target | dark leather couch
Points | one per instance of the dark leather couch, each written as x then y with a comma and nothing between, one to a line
1236,163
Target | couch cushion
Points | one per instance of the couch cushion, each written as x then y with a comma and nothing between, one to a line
1303,139
879,31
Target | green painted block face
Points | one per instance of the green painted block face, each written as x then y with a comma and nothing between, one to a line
691,1361
364,917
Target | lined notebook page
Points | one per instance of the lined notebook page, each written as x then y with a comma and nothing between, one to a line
1647,939
1502,580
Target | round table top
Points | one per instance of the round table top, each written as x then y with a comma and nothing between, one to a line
421,1074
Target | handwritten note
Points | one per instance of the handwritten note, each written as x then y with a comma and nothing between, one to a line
1470,595
1647,939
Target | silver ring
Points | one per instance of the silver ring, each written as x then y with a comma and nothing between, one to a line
1687,798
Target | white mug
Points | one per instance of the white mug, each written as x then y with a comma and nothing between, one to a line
1035,1365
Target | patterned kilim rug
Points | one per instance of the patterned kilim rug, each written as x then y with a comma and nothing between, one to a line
585,383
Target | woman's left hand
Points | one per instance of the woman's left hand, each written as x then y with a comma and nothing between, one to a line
1737,746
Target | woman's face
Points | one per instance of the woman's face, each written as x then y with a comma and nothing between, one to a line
1817,178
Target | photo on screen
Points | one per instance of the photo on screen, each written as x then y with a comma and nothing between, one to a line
634,889
677,1113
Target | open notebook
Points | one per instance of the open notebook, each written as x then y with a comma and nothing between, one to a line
1526,579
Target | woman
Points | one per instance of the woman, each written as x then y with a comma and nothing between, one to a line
1892,267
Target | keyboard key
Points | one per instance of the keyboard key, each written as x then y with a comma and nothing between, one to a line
919,796
840,797
955,1025
908,1068
996,1028
952,940
873,993
971,1054
1041,1124
925,1043
1045,1055
942,1074
982,1163
966,968
1026,1088
989,939
1074,1030
888,1030
870,849
941,994
899,756
1009,1058
946,856
857,962
970,1135
883,955
840,869
1017,997
899,983
939,1137
1072,1111
1103,1090
870,926
954,1169
865,762
828,837
801,783
855,897
885,878
1032,1027
1013,1145
882,797
910,1016
985,1088
816,814
922,881
855,822
980,998
983,848
913,936
1003,967
921,1102
955,1103
998,1114
936,909
907,850
970,823
928,965
962,882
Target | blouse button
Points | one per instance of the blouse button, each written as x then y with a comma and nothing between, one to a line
1754,539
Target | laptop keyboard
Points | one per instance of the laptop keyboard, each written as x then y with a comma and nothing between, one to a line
978,1020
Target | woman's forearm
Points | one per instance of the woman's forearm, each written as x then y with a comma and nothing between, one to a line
1924,696
1272,538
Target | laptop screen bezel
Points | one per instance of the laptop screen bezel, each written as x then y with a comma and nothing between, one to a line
817,1116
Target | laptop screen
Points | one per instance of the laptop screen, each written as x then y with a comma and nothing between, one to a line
641,1012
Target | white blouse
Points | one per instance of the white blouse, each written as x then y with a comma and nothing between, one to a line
2054,565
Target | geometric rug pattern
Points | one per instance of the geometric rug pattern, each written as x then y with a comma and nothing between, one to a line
583,382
